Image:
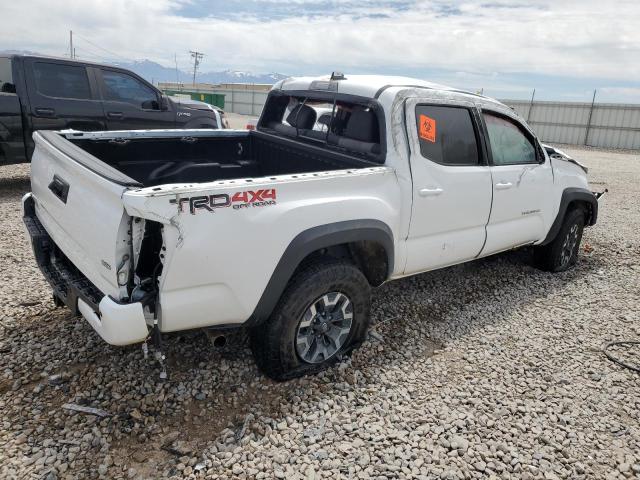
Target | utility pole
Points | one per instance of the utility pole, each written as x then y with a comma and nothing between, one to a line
175,59
71,50
197,56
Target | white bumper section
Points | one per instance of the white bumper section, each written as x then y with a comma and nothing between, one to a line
117,324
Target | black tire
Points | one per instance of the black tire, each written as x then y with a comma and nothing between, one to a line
274,342
562,253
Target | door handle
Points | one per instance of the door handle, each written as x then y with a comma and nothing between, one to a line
503,185
430,192
114,114
45,112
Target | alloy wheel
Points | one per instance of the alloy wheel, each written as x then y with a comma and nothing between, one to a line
324,327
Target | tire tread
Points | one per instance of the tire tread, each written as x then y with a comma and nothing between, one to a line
267,339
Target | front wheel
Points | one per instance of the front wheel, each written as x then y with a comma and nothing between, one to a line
323,313
562,252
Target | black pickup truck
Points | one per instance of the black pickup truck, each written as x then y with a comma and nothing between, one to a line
46,93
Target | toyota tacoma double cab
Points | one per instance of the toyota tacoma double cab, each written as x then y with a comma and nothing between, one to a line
285,229
47,93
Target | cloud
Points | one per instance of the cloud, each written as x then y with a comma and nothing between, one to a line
568,38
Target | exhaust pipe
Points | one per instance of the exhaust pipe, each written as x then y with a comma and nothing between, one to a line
217,338
220,341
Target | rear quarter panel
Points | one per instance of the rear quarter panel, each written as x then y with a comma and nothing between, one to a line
219,262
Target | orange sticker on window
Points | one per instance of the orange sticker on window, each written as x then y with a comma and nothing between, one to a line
427,128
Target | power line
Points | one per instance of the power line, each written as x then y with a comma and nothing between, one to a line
84,52
103,49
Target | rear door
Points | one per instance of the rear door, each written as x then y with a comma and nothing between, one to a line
62,95
130,103
521,180
451,185
79,201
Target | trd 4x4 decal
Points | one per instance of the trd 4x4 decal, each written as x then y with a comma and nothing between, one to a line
238,200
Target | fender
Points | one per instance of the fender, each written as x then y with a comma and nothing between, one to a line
310,241
570,195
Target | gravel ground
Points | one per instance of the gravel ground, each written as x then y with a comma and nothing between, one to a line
490,369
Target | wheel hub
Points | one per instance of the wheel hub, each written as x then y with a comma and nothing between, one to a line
324,327
569,245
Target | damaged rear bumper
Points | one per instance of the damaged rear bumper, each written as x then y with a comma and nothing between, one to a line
117,323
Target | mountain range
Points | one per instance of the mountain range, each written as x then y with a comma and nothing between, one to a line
155,72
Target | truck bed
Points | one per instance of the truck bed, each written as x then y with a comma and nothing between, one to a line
99,235
157,158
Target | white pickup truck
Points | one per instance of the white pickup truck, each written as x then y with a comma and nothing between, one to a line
345,183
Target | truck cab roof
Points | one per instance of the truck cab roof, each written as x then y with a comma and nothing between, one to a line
373,86
65,59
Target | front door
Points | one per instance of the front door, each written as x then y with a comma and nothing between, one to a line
451,185
521,180
130,103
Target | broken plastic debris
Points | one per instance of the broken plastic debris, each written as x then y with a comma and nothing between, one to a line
588,248
247,420
375,336
58,379
89,410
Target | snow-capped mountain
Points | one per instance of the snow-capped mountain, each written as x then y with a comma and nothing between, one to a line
155,72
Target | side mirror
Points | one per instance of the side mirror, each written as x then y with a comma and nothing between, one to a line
164,103
150,105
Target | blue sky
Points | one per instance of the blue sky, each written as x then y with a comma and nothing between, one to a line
563,48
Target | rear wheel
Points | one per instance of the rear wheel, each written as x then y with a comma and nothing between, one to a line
562,253
323,313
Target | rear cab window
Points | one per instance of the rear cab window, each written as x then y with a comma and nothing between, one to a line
62,81
447,135
345,125
6,76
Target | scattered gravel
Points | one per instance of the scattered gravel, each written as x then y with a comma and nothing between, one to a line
490,369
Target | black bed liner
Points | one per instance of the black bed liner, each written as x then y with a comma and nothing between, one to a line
156,161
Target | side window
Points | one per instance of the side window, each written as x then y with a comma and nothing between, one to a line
6,76
62,81
509,145
120,87
446,135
